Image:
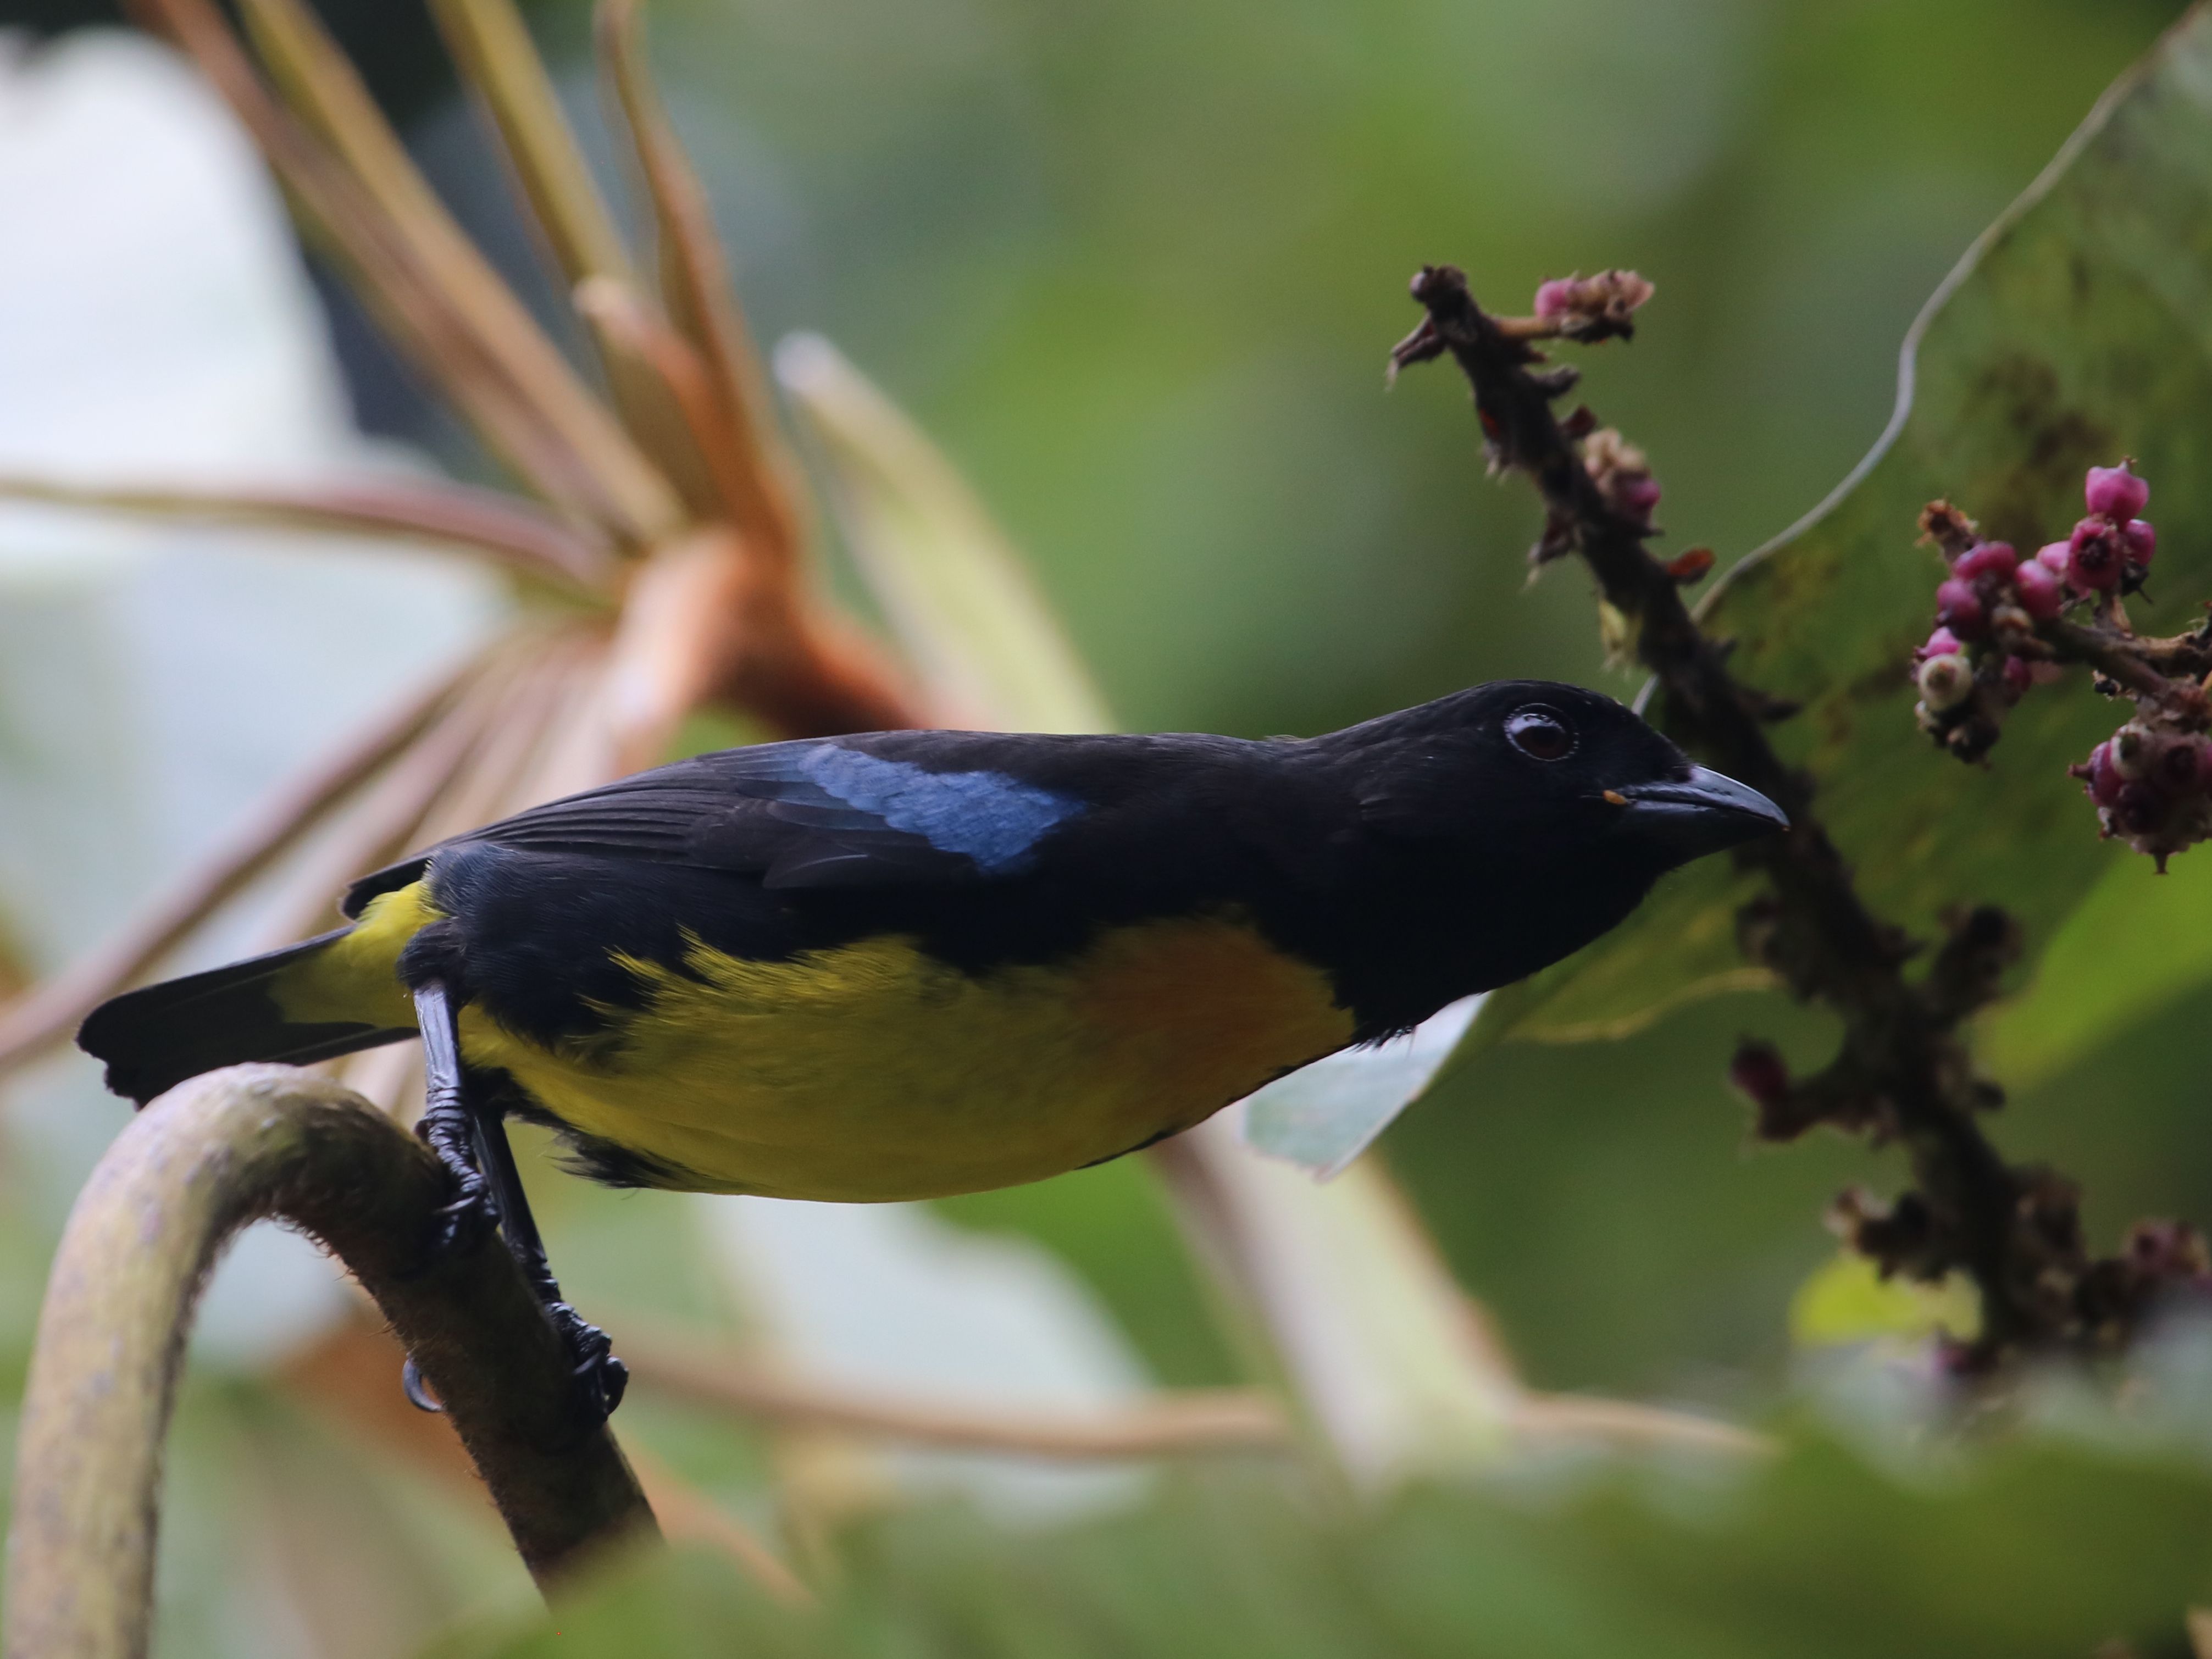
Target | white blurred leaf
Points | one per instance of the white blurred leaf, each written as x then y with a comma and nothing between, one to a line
157,681
1323,1115
889,1298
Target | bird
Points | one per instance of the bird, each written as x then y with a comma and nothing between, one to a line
911,963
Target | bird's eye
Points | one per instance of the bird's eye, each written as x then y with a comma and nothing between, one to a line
1540,733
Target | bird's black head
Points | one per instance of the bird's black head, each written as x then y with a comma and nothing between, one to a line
1513,822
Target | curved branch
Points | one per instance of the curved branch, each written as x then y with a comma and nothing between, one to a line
198,1165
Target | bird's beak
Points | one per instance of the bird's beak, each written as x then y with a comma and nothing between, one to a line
1702,813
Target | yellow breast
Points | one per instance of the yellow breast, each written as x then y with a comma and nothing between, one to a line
876,1072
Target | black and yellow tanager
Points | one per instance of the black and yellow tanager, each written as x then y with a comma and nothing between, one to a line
910,963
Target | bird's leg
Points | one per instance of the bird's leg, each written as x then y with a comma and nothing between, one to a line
467,1130
450,1127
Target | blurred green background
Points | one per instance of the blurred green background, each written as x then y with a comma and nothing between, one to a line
1137,266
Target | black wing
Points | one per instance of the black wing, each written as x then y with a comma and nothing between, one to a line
880,810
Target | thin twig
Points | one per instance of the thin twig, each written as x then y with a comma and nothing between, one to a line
1903,1066
724,1378
188,1174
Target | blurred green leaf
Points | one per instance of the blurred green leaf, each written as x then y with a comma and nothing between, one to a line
2079,329
961,598
1848,1300
2137,944
2050,1548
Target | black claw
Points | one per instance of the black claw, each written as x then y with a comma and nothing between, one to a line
600,1376
418,1394
469,1218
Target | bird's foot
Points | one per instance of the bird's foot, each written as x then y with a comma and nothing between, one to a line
470,1216
600,1377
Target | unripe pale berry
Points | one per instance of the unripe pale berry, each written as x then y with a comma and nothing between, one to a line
1960,609
1946,682
2092,560
1988,559
2131,750
2040,594
2115,492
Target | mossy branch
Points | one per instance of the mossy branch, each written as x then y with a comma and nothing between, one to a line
198,1166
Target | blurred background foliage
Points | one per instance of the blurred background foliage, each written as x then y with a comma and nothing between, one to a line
1136,267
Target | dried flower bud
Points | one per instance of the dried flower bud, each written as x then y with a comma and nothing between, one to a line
1985,559
2182,768
2115,492
2040,594
1946,527
1960,609
1758,1072
2137,809
1593,305
1622,475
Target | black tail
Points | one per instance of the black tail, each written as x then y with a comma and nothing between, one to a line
154,1038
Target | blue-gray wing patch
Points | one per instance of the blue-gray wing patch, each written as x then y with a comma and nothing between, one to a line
993,819
805,814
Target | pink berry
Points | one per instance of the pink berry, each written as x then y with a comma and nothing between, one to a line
2104,782
2142,543
1960,609
2053,558
2092,561
1985,559
2040,594
2115,492
1941,643
2018,676
1557,297
1638,496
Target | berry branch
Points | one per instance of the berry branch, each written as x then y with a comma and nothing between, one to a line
2003,628
1903,1072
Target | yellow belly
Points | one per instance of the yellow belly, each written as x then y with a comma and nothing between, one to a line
874,1072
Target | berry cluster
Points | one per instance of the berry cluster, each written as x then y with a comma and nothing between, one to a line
2000,629
1984,654
2152,782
